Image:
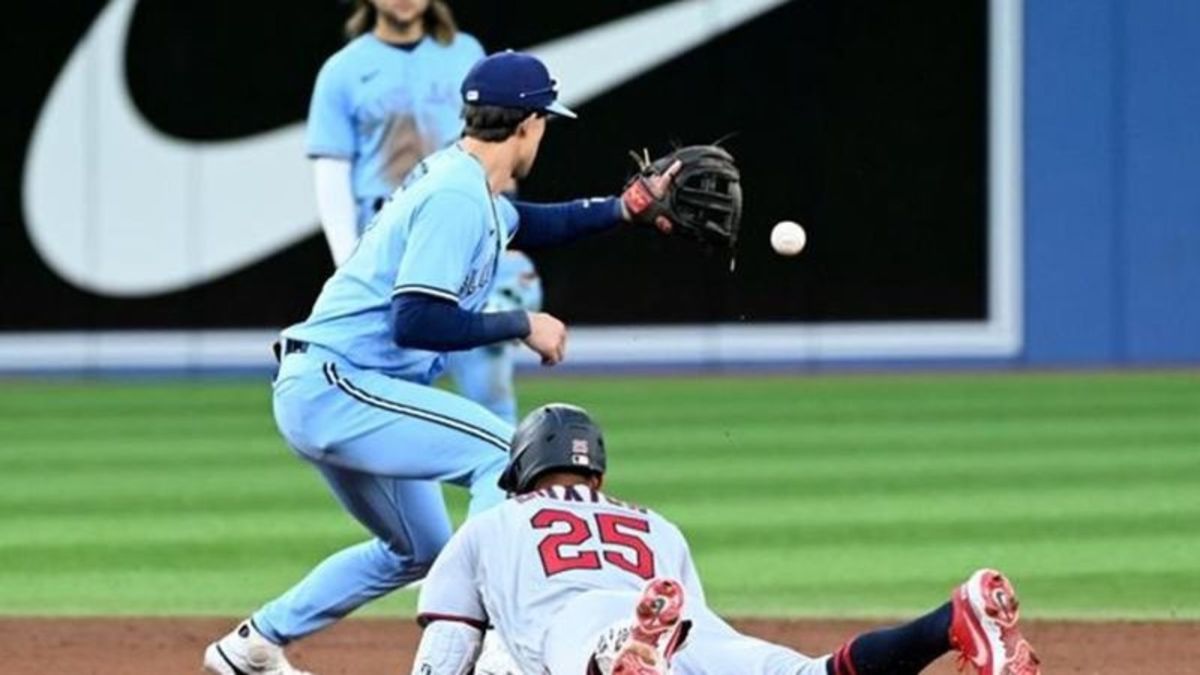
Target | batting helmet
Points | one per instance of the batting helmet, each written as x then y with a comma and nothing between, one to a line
555,437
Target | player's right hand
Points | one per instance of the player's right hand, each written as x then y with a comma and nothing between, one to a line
548,337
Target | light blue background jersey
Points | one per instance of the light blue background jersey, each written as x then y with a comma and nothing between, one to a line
441,235
517,285
485,374
384,108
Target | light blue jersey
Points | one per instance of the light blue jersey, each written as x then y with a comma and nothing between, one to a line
385,107
442,236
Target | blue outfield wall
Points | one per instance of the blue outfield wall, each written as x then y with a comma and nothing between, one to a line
1112,181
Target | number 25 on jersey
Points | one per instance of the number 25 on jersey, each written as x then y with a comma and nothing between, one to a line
620,537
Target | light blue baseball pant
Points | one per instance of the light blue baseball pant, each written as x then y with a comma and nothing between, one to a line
383,445
485,375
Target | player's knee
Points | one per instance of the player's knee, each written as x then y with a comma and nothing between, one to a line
424,545
405,562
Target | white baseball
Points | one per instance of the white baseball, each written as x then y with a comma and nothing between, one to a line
788,238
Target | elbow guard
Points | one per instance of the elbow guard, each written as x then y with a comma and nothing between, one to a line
447,648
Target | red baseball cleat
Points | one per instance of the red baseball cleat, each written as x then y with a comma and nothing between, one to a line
657,617
984,628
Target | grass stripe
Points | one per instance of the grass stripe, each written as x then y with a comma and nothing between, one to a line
832,495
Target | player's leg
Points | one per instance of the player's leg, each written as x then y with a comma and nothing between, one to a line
485,375
617,632
590,622
980,622
714,647
370,423
901,650
599,623
410,524
380,443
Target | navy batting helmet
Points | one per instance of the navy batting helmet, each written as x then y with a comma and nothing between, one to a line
555,437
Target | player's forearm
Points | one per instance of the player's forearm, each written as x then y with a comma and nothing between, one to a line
335,206
425,322
564,222
447,648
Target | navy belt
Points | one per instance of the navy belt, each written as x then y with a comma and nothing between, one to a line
285,346
294,347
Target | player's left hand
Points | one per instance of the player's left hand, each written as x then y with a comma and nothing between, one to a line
643,191
694,191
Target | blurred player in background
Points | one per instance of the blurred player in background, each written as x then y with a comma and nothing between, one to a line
577,582
485,374
353,394
382,103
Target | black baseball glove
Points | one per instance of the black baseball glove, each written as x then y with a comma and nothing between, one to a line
701,195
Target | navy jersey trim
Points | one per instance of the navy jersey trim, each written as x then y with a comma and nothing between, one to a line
426,290
426,618
411,411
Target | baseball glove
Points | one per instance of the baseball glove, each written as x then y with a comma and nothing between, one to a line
704,199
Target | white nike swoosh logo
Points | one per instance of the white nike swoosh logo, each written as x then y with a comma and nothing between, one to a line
979,658
117,208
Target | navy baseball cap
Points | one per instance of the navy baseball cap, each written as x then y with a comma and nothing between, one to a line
514,80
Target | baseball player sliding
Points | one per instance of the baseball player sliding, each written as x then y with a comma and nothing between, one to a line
353,395
577,582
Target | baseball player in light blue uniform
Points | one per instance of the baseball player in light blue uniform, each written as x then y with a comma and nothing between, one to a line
382,103
353,394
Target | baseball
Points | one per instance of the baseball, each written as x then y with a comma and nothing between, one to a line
788,238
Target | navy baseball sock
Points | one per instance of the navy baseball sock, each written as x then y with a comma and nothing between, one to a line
902,650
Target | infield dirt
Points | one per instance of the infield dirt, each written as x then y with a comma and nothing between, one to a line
158,646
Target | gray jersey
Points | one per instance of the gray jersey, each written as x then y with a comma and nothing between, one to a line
516,566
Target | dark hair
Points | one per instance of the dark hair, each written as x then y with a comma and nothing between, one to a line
439,20
492,123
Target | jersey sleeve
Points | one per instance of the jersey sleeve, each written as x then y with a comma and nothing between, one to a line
451,590
330,130
443,236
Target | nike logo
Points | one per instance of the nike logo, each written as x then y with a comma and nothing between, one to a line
369,76
979,658
117,208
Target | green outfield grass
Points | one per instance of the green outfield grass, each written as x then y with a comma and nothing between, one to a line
851,495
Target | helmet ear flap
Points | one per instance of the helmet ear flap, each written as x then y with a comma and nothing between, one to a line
508,479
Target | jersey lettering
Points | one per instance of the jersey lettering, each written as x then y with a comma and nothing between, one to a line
621,536
554,560
642,561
